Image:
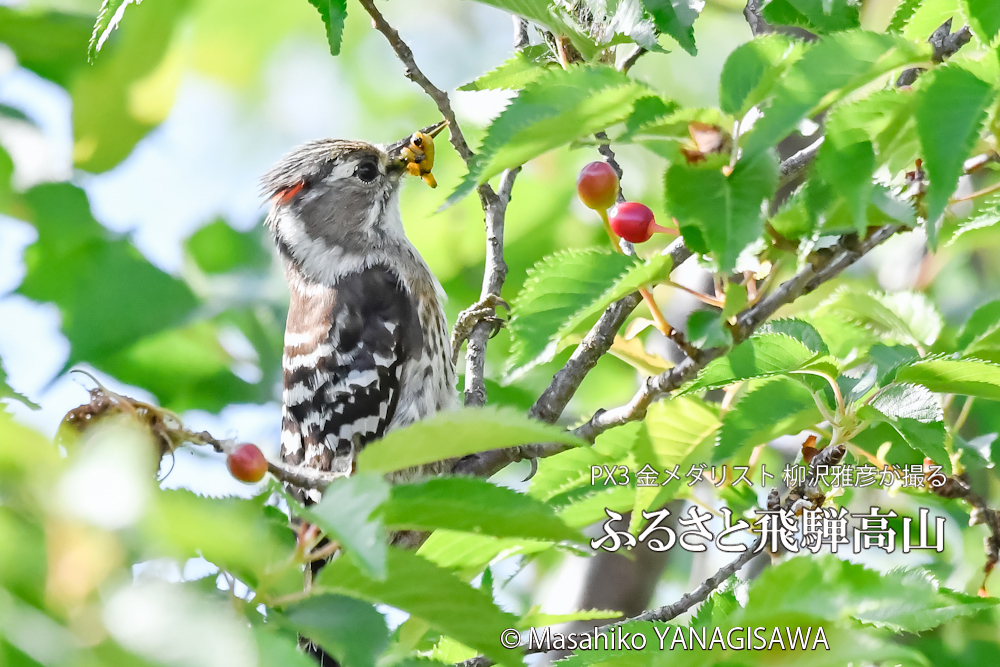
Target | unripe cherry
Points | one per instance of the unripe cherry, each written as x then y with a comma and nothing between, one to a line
597,186
247,464
633,221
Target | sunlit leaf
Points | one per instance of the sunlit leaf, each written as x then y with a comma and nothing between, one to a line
556,288
954,376
778,406
333,13
915,413
556,108
426,591
346,628
476,506
457,433
949,115
718,213
518,71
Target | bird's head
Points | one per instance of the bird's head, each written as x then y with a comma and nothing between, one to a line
342,196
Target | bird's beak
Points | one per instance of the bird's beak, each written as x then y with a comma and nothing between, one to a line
415,153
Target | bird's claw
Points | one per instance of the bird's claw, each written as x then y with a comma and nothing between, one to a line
483,310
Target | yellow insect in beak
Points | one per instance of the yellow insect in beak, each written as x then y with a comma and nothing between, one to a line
418,153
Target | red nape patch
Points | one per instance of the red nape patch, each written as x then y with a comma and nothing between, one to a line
284,196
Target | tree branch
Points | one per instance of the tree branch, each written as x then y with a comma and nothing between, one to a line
793,167
414,74
494,275
847,251
667,612
945,43
595,344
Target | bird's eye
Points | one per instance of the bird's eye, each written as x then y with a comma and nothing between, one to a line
367,171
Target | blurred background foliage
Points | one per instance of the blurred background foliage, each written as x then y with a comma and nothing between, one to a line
131,245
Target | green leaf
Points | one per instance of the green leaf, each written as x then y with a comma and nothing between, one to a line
129,89
218,248
471,553
673,432
426,591
761,356
907,317
950,113
888,359
677,426
108,18
980,337
232,533
589,506
720,214
675,19
818,16
830,69
640,274
347,512
185,368
556,288
904,12
566,470
981,322
752,70
456,433
108,294
333,13
915,413
53,45
551,16
276,649
706,329
800,330
555,109
7,392
535,619
985,15
571,469
901,600
970,377
518,71
846,163
475,506
778,406
348,629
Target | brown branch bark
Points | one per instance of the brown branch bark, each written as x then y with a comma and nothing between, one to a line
494,275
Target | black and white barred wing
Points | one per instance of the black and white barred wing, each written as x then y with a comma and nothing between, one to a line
345,351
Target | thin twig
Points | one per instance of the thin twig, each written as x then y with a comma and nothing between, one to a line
494,275
298,476
632,59
414,74
793,167
665,613
805,281
495,270
945,43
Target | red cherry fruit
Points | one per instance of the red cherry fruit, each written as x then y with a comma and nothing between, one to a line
247,464
597,186
633,221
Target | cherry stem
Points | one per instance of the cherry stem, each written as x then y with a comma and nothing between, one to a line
611,234
658,318
704,298
663,230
